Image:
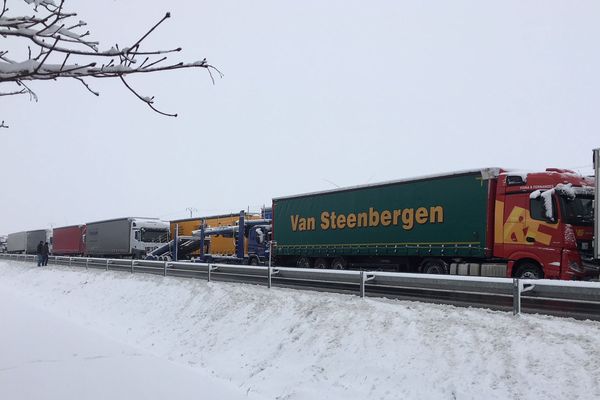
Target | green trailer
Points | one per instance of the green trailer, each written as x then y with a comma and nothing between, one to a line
397,224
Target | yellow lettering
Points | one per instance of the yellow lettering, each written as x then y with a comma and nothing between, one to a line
408,218
421,215
294,222
310,223
373,217
362,219
332,220
397,214
351,221
341,221
302,225
386,218
436,215
324,220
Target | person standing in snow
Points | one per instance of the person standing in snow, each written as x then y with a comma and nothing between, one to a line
40,253
45,254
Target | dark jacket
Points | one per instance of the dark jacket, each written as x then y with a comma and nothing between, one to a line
46,250
40,249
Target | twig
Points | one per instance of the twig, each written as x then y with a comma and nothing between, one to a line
146,100
51,33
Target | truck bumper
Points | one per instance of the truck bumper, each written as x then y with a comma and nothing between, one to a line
575,268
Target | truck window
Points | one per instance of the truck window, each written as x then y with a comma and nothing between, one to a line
538,210
577,210
154,235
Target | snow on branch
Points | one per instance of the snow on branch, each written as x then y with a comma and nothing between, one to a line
58,47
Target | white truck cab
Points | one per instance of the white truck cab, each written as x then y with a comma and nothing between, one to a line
148,234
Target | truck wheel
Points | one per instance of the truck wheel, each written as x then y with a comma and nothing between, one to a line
338,263
321,263
253,261
438,267
303,262
529,270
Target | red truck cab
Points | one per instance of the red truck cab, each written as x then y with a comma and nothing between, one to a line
543,224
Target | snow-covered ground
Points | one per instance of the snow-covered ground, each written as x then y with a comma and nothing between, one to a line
288,344
43,356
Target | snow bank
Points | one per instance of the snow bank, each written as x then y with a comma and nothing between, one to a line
287,344
47,357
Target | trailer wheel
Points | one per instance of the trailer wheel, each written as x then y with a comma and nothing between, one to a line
303,262
338,263
253,261
529,270
321,263
438,267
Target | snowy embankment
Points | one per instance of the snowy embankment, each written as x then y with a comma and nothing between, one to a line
44,356
288,344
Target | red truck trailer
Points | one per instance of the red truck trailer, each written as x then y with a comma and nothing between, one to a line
69,240
489,222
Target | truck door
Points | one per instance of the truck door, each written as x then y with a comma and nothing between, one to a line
530,231
542,231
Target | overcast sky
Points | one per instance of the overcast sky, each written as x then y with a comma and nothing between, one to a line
315,94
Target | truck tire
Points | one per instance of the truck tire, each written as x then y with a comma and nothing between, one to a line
434,266
529,270
338,263
253,261
303,262
321,263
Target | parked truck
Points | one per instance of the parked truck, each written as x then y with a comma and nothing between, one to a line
488,222
69,240
188,243
125,237
219,244
27,242
3,244
250,236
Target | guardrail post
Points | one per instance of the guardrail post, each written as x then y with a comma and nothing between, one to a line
107,264
70,259
209,270
516,297
270,270
269,275
132,265
87,261
362,284
165,269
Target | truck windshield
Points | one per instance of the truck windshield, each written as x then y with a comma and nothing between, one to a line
154,235
577,210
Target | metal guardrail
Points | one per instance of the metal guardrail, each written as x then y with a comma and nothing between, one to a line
568,299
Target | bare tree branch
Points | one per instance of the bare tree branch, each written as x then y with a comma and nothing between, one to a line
54,35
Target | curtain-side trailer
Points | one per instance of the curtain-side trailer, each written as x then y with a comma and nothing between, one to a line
486,222
35,237
16,242
68,240
125,237
27,242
